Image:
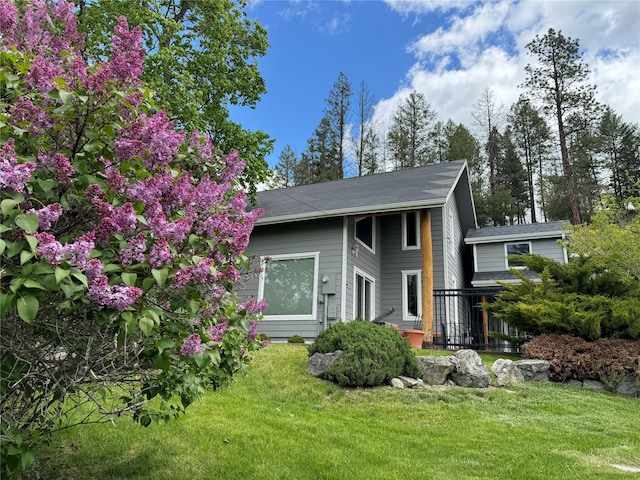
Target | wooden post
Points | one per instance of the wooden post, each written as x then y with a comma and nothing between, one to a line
427,275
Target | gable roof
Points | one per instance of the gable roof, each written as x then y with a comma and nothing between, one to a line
510,233
409,189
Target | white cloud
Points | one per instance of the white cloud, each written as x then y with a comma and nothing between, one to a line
484,46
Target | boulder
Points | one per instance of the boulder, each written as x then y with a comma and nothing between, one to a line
533,370
628,386
435,370
506,372
592,384
397,383
319,362
469,371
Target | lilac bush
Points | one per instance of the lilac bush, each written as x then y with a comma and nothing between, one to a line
122,238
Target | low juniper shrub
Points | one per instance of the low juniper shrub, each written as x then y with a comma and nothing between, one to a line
295,339
372,354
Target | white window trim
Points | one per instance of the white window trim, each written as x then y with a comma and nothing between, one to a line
373,233
416,216
314,309
372,306
506,254
405,303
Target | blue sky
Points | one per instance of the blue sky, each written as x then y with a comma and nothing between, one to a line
449,50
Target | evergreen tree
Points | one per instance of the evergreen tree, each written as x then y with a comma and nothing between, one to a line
321,153
619,143
410,132
284,172
559,81
532,137
339,105
513,176
365,139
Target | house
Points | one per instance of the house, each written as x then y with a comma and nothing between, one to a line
366,247
400,247
493,245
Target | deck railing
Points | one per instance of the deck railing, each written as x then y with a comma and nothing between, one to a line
460,322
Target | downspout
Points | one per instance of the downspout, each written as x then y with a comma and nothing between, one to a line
427,275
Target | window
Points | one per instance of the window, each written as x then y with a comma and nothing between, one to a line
288,284
411,230
516,249
411,294
365,232
363,296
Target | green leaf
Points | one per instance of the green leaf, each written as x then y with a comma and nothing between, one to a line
161,361
13,248
7,205
147,283
194,305
28,222
160,275
3,245
81,277
201,359
111,267
25,256
33,242
33,284
5,303
146,325
69,288
129,279
28,308
61,274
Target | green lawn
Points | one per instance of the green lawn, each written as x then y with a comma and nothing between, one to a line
279,422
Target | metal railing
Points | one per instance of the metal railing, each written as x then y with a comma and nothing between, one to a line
460,322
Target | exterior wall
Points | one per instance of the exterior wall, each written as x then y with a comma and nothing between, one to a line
395,260
454,247
323,236
490,257
366,262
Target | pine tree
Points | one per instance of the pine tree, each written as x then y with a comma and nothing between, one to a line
559,81
410,132
284,172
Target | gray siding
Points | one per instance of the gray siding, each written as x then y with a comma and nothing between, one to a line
367,262
324,236
490,257
395,260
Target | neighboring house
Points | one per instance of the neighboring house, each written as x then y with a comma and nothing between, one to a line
492,246
363,247
491,268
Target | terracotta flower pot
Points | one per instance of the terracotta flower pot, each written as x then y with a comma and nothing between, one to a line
414,337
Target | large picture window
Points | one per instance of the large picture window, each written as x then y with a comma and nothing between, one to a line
288,284
411,294
516,249
366,232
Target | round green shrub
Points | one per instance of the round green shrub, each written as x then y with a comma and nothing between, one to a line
295,339
372,354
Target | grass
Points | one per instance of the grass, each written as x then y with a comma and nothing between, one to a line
279,422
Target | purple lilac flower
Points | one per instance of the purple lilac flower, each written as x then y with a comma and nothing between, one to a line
13,175
47,215
253,330
192,345
215,332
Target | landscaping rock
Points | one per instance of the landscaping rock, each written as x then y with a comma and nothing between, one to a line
534,370
628,387
411,382
397,383
470,371
319,362
435,370
592,384
574,383
506,372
